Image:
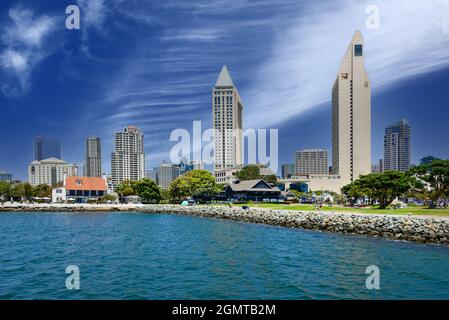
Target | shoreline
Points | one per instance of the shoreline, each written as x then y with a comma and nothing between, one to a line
422,229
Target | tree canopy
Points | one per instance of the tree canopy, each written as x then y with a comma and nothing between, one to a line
148,190
194,183
383,187
435,178
126,188
252,172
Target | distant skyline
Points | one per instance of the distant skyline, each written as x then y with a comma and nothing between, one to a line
153,65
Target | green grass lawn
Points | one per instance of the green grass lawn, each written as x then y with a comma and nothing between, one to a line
371,210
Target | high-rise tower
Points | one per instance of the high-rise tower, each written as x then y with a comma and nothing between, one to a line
351,115
128,158
93,157
397,146
45,148
227,121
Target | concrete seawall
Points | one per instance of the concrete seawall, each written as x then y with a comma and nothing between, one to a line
396,227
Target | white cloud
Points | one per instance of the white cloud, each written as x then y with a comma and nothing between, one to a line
24,43
13,59
306,57
28,29
93,13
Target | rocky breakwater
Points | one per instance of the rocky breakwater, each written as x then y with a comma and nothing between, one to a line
396,227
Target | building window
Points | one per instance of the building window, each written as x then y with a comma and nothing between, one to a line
358,50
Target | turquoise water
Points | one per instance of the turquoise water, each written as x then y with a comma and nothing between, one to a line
142,256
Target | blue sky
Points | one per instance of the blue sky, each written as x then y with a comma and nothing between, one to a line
153,64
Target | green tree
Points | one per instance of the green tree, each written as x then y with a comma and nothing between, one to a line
108,197
5,190
126,188
148,190
383,187
179,189
28,190
165,195
249,172
252,172
194,183
435,178
41,191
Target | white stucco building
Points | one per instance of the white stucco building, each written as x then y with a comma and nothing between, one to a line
50,171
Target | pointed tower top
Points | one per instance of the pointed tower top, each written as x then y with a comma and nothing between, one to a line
357,37
224,79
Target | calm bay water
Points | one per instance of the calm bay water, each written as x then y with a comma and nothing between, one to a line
142,256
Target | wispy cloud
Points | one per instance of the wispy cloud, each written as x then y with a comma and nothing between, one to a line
304,62
23,47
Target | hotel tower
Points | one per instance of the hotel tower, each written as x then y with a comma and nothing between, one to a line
227,123
351,115
128,158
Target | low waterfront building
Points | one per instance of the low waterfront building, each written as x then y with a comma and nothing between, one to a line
50,171
80,190
315,182
252,190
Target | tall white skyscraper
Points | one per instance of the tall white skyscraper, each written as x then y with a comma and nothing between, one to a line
128,158
398,146
92,166
227,122
351,115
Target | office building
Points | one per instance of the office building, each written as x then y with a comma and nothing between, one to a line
311,161
351,115
152,175
128,158
227,123
288,170
45,148
92,166
50,171
428,160
5,176
397,146
166,173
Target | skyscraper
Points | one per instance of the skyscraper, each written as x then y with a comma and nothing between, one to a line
428,160
5,176
288,170
311,161
166,173
128,158
227,123
45,148
92,166
397,146
351,115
